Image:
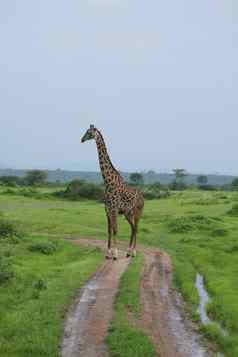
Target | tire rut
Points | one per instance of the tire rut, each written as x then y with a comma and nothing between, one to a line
88,320
164,318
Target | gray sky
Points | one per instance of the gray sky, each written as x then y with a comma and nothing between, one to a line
159,78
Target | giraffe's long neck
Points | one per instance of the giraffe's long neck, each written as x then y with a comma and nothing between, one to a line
110,175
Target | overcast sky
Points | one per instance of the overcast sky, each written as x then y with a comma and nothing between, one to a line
159,78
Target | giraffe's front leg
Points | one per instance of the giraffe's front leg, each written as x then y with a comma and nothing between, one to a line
109,253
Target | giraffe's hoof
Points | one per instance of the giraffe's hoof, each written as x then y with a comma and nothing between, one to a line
108,254
114,258
128,255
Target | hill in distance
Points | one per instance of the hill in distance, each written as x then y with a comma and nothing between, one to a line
149,177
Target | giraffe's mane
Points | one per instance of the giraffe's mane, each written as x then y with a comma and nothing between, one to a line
113,167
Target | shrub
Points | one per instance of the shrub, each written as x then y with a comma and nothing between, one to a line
35,177
9,230
177,186
234,184
187,223
208,188
32,193
44,247
136,178
180,225
233,211
154,194
78,189
40,284
232,249
219,232
9,191
11,181
6,271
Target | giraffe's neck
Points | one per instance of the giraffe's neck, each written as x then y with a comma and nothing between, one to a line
110,175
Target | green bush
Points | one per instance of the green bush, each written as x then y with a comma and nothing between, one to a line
43,247
188,223
27,192
6,271
177,186
233,211
232,249
219,232
180,225
78,189
153,193
40,285
9,191
11,181
8,229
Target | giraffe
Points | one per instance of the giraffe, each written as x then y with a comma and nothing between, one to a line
119,197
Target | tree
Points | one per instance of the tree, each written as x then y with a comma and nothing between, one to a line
11,180
180,174
234,184
36,177
178,183
202,180
156,186
136,178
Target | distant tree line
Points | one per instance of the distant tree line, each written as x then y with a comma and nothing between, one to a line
31,178
78,189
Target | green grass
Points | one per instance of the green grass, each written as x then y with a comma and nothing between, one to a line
34,301
194,227
125,339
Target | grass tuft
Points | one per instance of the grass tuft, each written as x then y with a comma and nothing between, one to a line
44,247
125,339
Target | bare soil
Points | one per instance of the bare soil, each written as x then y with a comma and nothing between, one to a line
88,320
163,318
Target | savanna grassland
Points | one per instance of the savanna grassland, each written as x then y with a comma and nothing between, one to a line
198,229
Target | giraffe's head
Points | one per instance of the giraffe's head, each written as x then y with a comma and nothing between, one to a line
90,134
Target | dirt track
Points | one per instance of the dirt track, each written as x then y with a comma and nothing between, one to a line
163,318
87,322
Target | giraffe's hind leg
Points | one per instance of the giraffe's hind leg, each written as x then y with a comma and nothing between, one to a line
133,219
130,219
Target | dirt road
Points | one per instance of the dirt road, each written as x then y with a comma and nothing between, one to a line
163,319
164,316
88,320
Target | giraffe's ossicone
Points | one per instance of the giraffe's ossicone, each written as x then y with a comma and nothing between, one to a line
119,197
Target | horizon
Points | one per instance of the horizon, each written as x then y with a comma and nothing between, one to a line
125,172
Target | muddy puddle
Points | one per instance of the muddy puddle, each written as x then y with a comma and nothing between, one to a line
204,300
202,308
